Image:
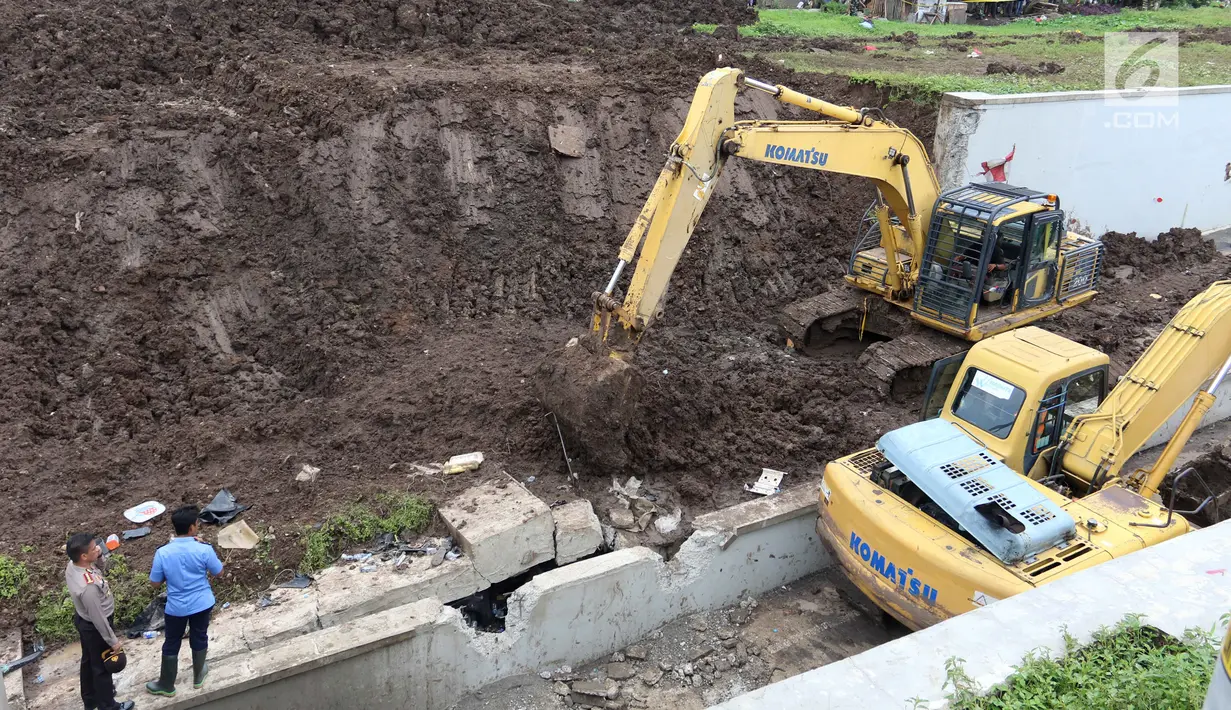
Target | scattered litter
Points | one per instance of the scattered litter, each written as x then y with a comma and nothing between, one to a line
974,54
39,679
866,25
631,489
530,480
572,342
929,51
367,568
453,554
238,536
769,483
145,511
266,601
134,534
1156,297
226,605
6,668
221,509
464,462
299,581
357,557
869,48
666,524
152,617
665,372
113,542
308,474
149,634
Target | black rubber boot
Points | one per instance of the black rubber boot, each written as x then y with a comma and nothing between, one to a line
200,669
165,685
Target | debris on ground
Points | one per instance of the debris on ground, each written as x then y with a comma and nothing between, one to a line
238,536
299,581
769,483
134,533
463,462
307,474
222,509
145,511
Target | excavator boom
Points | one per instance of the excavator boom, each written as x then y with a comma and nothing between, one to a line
1184,356
846,141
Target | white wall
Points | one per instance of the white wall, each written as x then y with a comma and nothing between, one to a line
1109,164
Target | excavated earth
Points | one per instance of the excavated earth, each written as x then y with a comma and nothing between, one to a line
239,238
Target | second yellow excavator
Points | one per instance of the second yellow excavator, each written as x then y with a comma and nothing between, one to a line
1015,476
968,263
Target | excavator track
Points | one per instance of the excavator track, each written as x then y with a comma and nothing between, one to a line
901,367
899,353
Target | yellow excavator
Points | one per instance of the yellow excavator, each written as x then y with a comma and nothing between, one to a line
1015,475
968,263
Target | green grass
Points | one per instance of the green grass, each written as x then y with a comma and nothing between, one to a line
1128,666
13,577
794,23
53,617
360,523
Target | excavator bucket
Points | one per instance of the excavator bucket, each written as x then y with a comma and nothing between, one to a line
593,396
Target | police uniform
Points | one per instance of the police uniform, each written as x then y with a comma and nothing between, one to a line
94,608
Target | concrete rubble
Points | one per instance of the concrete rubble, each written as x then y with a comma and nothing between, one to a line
502,527
578,532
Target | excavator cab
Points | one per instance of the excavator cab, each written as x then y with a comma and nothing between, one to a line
993,250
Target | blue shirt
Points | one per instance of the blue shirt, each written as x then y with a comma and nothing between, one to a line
184,564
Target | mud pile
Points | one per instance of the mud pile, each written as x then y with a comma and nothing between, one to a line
239,238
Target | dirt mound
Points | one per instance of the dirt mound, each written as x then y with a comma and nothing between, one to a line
1175,247
1218,35
1019,68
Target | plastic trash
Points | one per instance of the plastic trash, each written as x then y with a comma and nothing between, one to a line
149,634
299,581
227,605
145,511
357,557
222,509
134,534
113,542
153,618
367,568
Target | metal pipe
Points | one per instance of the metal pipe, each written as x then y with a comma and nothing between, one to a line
615,277
762,86
1226,367
910,195
795,98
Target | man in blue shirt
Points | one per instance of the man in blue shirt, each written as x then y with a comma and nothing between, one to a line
184,564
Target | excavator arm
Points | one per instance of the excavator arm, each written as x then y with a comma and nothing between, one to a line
847,141
1194,349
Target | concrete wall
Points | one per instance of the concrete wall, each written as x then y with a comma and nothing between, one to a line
1109,165
423,656
1180,584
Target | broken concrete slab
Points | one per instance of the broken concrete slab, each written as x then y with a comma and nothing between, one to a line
502,527
620,671
567,140
343,595
762,513
578,532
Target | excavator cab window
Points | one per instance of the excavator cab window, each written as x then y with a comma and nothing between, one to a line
944,372
1038,278
1079,394
1085,392
988,402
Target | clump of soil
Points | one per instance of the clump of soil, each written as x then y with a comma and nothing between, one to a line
908,38
1175,247
1019,68
1218,35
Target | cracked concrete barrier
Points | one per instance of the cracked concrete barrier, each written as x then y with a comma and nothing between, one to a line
422,655
503,528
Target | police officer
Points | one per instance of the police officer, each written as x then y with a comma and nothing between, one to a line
94,607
